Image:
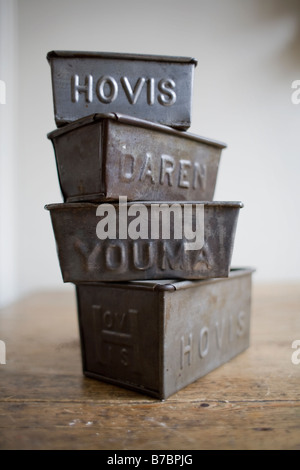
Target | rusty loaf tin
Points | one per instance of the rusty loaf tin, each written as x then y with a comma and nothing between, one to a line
128,241
152,87
158,337
102,156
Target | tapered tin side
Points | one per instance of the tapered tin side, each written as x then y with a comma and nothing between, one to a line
121,242
104,156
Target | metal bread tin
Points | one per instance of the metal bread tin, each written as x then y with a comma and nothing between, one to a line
104,156
129,241
158,337
152,87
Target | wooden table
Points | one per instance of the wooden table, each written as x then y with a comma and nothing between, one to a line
252,402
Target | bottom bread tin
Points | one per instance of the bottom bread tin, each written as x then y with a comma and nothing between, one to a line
156,337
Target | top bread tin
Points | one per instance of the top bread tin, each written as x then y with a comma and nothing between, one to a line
152,87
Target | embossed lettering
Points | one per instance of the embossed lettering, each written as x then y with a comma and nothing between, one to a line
115,257
116,320
199,176
81,248
112,320
168,96
143,256
115,332
89,257
106,89
121,319
147,170
127,167
92,257
167,169
224,329
183,173
203,342
172,256
87,88
124,357
132,95
102,85
220,332
107,319
186,350
202,259
241,324
150,91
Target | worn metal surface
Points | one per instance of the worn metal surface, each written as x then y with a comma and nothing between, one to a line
105,156
158,337
84,257
156,88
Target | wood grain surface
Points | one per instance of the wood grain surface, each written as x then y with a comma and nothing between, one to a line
251,402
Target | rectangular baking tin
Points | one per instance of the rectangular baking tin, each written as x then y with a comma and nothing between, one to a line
152,87
104,156
122,255
158,337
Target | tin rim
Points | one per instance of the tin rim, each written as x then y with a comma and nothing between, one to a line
169,285
119,56
86,205
133,121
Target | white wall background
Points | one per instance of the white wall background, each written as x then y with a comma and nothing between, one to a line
8,150
248,56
